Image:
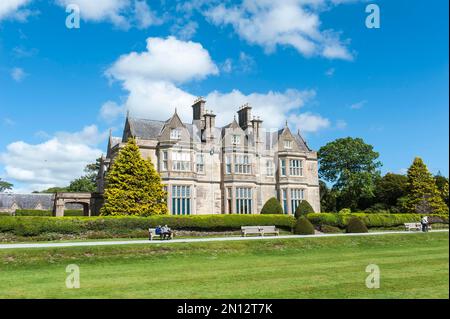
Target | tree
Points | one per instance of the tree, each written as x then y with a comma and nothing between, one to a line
133,186
423,194
303,209
4,186
442,185
390,188
327,198
83,184
272,206
352,165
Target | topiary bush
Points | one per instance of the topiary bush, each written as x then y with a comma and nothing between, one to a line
356,225
272,206
303,227
303,209
330,229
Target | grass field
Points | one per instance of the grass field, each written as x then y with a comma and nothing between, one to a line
412,266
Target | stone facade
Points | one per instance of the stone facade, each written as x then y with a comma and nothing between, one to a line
223,170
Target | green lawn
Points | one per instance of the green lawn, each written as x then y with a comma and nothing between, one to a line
412,266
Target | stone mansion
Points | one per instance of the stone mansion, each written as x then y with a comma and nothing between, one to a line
233,169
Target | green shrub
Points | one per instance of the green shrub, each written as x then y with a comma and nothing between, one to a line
303,209
356,225
272,206
327,229
371,220
304,227
33,226
35,212
345,211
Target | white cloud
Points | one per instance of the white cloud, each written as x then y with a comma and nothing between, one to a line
145,17
110,111
227,66
358,105
18,74
165,60
308,122
121,13
294,23
13,9
185,31
154,91
54,162
330,72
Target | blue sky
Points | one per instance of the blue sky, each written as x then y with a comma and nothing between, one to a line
315,64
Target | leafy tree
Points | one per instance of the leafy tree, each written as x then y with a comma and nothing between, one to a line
303,209
133,186
327,198
390,188
4,185
53,190
442,185
272,206
83,184
423,194
352,165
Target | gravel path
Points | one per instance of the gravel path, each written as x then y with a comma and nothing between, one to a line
189,240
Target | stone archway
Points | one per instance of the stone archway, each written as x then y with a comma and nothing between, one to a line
84,199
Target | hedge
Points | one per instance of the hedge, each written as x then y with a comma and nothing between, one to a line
371,220
35,212
33,226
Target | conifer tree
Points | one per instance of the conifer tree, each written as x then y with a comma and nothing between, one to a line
423,195
133,186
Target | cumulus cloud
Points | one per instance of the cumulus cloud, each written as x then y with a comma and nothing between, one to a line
121,13
14,9
308,122
294,23
154,90
110,111
54,162
358,105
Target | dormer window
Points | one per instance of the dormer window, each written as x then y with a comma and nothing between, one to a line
288,145
236,139
175,134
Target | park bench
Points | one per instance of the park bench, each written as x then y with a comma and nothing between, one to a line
259,230
152,234
415,226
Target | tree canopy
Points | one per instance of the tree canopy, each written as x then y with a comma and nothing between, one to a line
133,186
4,185
352,166
423,194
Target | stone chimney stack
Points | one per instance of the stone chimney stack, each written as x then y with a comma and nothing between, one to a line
210,124
256,125
245,114
198,112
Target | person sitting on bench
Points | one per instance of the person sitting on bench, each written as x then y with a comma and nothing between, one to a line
158,231
166,232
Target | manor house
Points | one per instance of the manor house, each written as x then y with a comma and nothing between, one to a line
233,169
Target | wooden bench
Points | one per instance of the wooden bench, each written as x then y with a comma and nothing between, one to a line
152,234
258,230
415,226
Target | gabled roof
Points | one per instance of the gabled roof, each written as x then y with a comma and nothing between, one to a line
27,201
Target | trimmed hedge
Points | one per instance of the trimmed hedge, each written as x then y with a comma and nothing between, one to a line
34,212
371,220
356,225
33,226
304,227
303,209
272,206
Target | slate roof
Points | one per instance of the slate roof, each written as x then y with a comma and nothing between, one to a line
27,201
